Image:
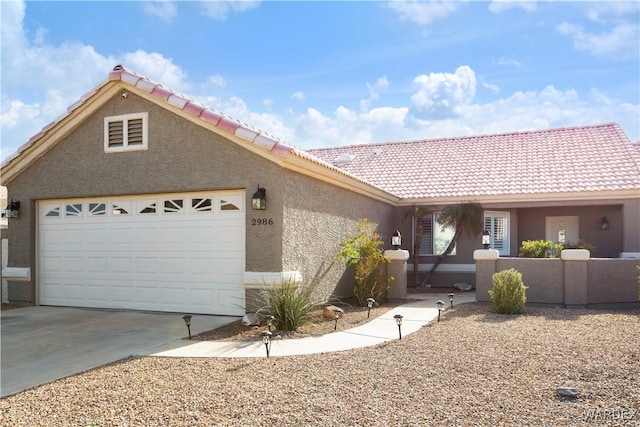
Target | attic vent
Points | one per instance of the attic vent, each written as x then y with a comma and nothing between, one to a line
344,159
125,133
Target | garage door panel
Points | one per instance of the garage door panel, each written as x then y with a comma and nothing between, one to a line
187,256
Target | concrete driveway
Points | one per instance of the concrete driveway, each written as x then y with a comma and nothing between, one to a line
43,344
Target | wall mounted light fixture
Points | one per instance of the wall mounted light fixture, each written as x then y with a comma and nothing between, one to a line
259,199
12,210
604,224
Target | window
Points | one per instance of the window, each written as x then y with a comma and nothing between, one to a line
127,132
497,223
435,237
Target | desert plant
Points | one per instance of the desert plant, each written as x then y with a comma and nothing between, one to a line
290,304
508,292
363,251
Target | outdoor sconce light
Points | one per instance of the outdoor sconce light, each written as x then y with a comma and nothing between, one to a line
486,239
451,299
259,199
187,321
604,224
440,305
396,240
12,210
270,320
398,318
370,302
266,339
336,312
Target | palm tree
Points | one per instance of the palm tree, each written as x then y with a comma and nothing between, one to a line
465,218
418,213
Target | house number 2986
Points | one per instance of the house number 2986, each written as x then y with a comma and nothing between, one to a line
262,221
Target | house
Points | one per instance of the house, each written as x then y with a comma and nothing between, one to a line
140,198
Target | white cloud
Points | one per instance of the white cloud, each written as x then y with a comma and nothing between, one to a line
424,13
220,10
499,6
164,9
443,95
374,92
619,43
298,96
216,81
508,62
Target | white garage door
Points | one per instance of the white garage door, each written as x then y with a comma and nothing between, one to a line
172,252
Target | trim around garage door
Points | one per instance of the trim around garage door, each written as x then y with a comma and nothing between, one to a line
180,252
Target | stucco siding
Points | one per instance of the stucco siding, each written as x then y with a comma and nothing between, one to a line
181,157
317,218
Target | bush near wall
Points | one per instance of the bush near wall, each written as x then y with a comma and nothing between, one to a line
508,292
548,249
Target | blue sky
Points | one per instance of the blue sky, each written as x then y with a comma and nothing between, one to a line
318,74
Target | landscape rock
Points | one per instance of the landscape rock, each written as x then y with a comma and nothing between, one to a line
463,286
567,392
250,319
329,313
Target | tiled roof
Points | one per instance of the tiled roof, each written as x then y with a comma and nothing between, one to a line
576,159
219,120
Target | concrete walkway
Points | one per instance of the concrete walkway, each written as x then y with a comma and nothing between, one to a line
377,331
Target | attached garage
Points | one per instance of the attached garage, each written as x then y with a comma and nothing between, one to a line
181,252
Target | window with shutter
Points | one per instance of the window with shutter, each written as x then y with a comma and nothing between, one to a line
435,237
497,223
127,132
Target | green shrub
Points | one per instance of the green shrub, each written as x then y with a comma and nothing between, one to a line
548,249
290,304
536,249
508,293
363,251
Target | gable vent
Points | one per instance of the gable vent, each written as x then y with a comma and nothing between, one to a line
126,132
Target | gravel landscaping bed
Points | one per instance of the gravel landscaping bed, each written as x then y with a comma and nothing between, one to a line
472,368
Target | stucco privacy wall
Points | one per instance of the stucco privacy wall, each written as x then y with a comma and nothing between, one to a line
316,218
181,157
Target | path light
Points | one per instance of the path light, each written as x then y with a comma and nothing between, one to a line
270,320
398,318
266,339
187,321
451,299
336,312
440,305
396,240
370,302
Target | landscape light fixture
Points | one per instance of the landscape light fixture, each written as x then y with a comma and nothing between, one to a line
370,302
12,210
451,299
266,339
270,320
440,305
604,224
398,318
259,199
187,321
336,313
486,239
396,240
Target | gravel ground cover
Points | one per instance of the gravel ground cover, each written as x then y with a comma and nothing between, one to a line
472,368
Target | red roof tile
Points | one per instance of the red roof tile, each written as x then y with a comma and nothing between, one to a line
589,158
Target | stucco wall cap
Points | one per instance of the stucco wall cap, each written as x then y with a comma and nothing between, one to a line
575,255
397,254
486,255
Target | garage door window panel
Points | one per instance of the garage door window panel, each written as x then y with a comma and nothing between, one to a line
73,210
201,205
173,206
96,209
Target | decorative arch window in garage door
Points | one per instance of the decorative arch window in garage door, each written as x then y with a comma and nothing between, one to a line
179,252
